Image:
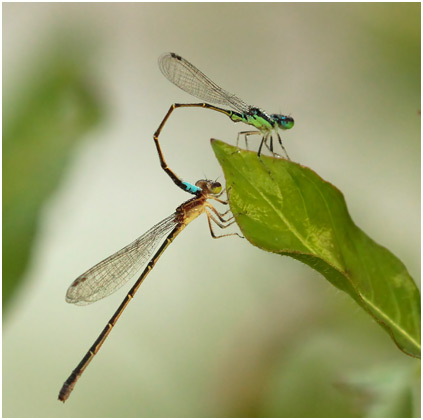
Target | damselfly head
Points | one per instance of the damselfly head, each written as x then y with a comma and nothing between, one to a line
284,122
209,187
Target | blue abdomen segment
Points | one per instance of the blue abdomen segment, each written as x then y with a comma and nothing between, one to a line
191,188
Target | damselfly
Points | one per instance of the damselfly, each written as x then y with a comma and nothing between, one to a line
188,78
113,272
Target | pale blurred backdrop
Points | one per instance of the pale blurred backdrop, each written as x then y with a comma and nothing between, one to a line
219,328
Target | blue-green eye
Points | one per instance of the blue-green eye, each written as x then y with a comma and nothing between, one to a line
287,123
284,122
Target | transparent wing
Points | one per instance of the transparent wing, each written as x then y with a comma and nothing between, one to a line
188,78
112,273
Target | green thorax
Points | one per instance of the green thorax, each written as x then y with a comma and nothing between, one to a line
256,118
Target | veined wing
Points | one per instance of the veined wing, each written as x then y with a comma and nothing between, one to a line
112,273
188,78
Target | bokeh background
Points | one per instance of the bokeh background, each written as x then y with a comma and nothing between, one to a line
219,328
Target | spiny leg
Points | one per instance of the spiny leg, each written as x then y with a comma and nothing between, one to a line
221,215
221,225
271,148
283,148
218,200
263,141
222,202
246,134
225,213
271,144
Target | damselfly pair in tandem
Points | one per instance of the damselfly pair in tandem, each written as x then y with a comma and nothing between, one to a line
112,273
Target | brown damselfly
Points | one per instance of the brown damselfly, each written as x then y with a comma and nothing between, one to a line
110,274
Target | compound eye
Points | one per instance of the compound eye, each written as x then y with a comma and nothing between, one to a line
215,187
287,123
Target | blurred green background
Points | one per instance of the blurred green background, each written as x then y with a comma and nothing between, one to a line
219,328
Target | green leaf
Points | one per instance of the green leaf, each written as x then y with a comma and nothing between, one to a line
44,121
283,207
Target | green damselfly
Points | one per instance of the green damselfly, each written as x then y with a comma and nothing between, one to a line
188,78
